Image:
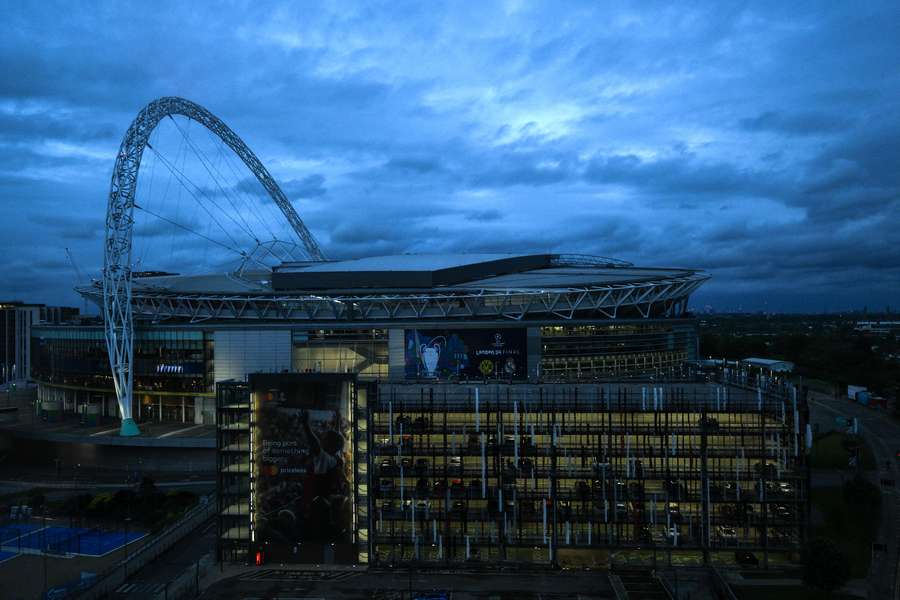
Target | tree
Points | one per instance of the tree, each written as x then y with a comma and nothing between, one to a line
862,494
824,565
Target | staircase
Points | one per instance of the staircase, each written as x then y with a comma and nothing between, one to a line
639,584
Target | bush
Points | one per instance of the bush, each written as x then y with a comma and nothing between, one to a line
36,499
824,565
99,505
862,494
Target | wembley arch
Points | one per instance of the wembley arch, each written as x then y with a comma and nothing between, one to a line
117,273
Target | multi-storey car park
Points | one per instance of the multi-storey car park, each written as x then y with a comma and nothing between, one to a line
434,409
544,473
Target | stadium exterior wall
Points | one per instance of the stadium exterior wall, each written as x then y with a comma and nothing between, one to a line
177,365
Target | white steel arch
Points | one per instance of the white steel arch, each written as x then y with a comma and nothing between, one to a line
120,223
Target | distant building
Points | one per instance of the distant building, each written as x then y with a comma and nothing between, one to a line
16,319
768,364
878,326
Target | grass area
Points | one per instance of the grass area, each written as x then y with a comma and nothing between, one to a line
851,527
828,452
787,592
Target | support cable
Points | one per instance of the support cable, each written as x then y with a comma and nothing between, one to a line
181,177
188,229
207,164
254,210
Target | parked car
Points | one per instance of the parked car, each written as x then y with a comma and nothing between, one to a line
582,489
727,535
674,511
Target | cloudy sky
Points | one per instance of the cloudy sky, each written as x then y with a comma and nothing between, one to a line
761,144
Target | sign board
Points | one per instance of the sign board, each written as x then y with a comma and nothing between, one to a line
302,498
465,354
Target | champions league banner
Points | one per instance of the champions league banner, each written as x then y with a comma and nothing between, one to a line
465,354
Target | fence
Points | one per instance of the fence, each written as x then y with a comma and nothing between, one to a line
187,585
109,580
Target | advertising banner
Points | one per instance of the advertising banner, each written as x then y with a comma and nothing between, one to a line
465,354
303,495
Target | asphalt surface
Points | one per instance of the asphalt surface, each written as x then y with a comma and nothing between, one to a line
153,578
883,436
287,584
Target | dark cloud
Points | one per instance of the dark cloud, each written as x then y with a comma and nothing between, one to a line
808,123
759,142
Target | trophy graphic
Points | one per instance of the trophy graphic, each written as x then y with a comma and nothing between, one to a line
430,354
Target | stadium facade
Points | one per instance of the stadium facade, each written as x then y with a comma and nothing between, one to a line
572,317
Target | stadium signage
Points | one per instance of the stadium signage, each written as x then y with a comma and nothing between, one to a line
465,353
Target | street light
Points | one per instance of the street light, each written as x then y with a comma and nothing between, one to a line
44,547
125,564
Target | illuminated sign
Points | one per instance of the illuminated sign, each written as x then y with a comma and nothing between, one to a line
465,353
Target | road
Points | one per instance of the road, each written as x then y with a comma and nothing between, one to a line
154,577
394,585
883,435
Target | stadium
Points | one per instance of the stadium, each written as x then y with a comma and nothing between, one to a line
432,409
573,317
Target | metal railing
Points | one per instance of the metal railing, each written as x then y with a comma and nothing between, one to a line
110,579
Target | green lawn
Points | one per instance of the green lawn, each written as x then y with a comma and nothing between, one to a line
828,453
787,592
850,527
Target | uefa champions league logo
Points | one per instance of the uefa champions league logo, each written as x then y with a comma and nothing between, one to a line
431,354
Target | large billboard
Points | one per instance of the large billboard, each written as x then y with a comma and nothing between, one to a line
303,500
465,354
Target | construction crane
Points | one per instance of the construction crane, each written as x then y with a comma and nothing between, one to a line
78,277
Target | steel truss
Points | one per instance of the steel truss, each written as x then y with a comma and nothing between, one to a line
117,288
668,297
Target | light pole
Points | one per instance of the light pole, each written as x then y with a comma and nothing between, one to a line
125,563
44,548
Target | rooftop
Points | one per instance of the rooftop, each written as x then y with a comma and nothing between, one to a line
455,273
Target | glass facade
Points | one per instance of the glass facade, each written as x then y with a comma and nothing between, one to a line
361,351
172,367
616,349
175,367
233,467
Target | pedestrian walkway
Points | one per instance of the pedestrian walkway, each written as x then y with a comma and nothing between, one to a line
141,588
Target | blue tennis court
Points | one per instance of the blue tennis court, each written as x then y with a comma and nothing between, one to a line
69,540
98,543
4,556
10,533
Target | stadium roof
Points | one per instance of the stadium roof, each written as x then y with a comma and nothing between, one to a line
445,272
436,286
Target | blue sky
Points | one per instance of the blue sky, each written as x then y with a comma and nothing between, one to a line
761,142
